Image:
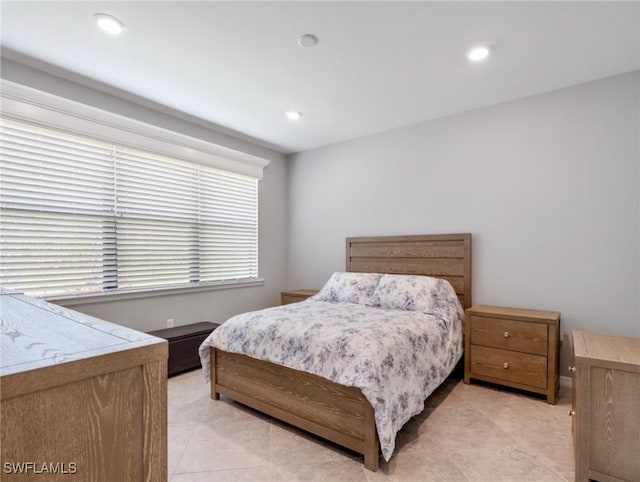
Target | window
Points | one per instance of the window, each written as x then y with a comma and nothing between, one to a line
81,215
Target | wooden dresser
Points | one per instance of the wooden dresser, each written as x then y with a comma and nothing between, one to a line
514,347
82,399
606,407
294,296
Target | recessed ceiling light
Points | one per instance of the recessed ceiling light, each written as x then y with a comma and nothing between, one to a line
293,115
307,40
108,23
479,53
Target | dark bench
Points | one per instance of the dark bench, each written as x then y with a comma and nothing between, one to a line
184,342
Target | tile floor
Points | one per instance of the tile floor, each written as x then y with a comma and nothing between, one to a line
466,433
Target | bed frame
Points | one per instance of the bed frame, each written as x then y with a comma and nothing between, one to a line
332,411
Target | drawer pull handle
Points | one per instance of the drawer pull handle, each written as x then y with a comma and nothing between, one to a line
572,412
506,365
507,334
572,369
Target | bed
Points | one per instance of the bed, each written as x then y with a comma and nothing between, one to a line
336,411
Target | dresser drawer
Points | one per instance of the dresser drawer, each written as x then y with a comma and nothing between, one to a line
509,334
522,368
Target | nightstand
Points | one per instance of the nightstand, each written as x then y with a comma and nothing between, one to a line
513,347
294,296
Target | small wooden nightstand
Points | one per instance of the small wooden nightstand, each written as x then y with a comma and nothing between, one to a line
514,347
294,296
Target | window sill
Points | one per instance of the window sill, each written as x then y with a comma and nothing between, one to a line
150,292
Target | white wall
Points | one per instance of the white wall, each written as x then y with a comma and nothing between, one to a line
152,312
548,186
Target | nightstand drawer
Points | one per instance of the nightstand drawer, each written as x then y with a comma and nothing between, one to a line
509,334
512,366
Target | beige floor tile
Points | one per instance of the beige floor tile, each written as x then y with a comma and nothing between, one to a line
188,387
233,475
489,401
338,471
428,463
186,414
290,445
562,462
232,446
178,438
501,464
543,433
186,399
453,426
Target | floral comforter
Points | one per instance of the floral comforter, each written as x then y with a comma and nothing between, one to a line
397,358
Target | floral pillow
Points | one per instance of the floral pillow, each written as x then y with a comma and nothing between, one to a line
349,287
417,293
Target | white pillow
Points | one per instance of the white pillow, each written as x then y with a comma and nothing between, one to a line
417,293
349,287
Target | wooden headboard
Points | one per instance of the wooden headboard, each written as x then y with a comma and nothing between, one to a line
446,256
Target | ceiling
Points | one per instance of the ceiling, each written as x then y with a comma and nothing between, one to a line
377,66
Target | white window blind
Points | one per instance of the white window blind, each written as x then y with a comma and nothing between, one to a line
85,216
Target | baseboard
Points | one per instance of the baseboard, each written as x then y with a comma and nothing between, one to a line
566,381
